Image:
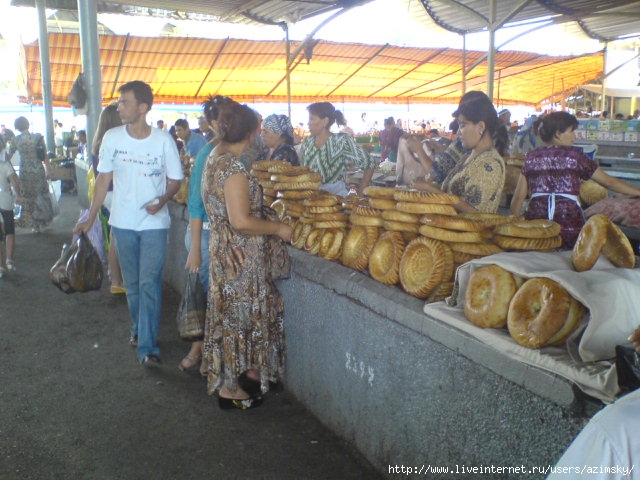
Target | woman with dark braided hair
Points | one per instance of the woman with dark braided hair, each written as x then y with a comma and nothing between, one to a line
330,153
472,169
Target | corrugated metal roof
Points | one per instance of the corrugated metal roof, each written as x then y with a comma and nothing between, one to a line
604,20
186,70
230,11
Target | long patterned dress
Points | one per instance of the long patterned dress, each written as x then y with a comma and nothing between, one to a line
37,210
558,170
244,327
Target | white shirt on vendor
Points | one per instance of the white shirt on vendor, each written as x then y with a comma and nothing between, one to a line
140,170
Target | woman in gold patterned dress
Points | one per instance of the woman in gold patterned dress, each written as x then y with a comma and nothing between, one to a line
244,336
477,175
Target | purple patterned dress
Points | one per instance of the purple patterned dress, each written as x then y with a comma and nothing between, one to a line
558,170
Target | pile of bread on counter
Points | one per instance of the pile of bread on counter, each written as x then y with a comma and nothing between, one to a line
417,240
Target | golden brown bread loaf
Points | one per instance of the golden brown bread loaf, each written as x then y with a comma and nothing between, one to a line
384,262
489,293
539,310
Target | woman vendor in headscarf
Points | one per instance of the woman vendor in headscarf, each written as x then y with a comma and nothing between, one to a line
277,133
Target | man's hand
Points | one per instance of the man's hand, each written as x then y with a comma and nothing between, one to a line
82,227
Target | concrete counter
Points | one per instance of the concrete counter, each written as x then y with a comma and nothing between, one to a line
406,389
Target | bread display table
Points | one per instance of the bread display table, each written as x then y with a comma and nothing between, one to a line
405,387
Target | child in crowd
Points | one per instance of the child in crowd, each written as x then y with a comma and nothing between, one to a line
8,179
552,174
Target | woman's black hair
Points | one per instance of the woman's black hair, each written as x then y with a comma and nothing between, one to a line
327,110
211,106
477,107
236,122
547,126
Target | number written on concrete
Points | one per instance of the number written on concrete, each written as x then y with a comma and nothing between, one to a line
359,368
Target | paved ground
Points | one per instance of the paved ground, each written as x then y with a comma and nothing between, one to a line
74,403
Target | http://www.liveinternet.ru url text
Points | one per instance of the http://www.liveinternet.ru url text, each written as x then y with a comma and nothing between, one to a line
515,470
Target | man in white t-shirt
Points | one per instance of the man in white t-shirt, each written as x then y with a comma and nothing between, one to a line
144,165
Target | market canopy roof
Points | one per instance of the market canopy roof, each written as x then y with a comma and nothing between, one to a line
604,20
186,70
230,11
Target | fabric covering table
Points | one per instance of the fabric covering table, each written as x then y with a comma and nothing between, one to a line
609,293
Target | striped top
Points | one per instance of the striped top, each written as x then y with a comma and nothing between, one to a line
332,159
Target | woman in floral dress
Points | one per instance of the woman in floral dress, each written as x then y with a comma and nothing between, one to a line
37,210
552,175
244,345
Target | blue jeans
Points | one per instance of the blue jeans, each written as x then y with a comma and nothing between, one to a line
141,257
203,273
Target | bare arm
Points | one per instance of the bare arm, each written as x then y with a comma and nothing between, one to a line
15,183
194,259
236,193
415,147
99,193
519,195
614,184
172,188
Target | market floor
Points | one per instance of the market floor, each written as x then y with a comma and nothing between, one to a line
75,404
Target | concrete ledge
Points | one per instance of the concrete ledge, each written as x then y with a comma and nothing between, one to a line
394,304
407,389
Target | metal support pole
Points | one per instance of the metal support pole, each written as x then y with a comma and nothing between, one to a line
464,64
88,16
491,57
285,27
45,69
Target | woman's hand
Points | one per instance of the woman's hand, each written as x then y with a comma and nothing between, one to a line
193,261
285,232
424,185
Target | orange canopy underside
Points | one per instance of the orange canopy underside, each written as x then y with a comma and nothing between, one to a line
187,70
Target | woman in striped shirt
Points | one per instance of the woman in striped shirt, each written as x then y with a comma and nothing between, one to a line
331,153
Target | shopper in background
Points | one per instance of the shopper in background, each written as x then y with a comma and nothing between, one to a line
331,153
37,210
8,179
389,139
109,118
192,141
244,335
